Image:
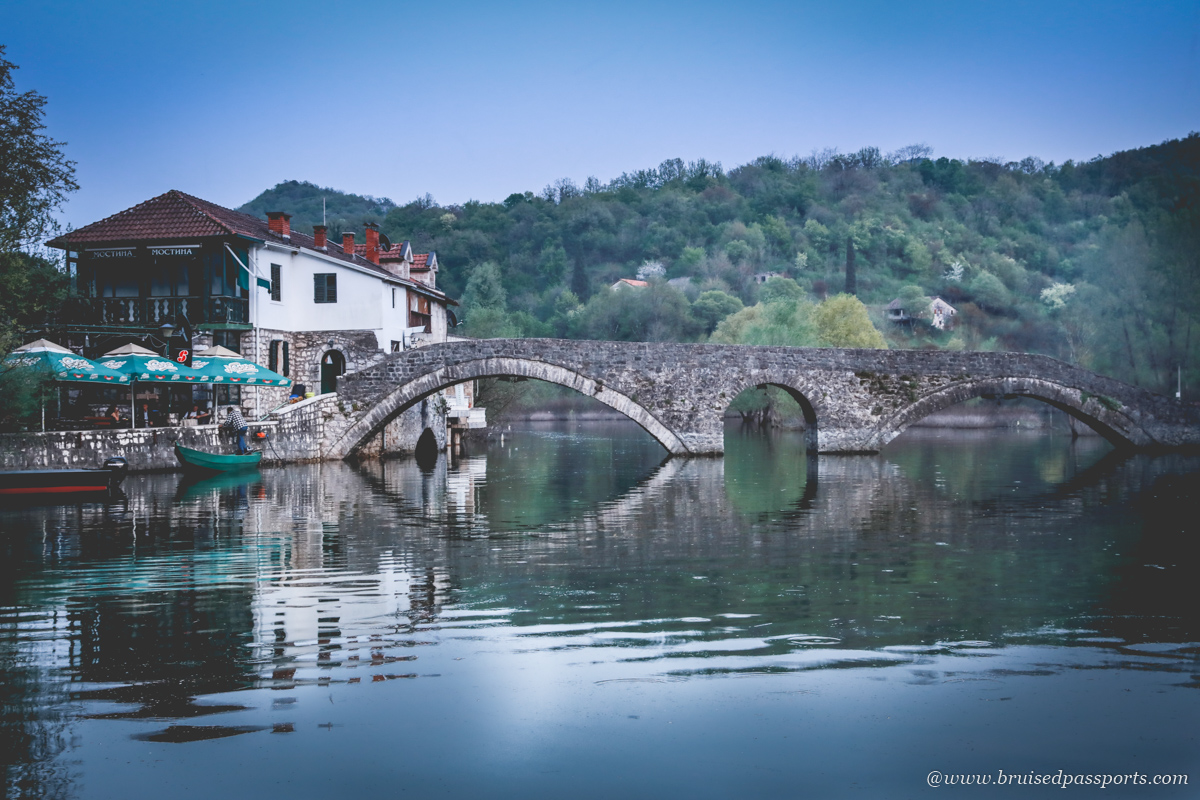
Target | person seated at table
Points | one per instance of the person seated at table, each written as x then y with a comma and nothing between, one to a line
113,414
201,417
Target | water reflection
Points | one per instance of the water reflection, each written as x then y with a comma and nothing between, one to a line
219,609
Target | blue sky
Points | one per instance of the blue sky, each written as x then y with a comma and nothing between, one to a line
474,100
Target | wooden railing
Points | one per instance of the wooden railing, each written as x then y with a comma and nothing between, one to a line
151,311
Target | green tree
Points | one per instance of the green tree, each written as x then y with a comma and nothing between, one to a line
485,289
989,291
851,269
738,251
842,321
552,263
713,306
914,301
656,313
35,176
779,324
688,261
485,305
778,236
779,289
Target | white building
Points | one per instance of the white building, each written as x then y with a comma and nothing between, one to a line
306,307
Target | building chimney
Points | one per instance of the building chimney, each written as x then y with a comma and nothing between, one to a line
320,232
348,243
373,242
280,223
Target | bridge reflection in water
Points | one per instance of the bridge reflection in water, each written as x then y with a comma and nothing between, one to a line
206,610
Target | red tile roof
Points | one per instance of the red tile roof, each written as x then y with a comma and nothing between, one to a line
176,215
172,215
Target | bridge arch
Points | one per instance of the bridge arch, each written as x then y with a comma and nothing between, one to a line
1100,414
404,396
798,390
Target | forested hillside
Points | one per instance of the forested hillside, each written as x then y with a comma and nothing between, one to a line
1092,262
310,205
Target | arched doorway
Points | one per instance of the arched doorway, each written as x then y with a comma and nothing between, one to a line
333,364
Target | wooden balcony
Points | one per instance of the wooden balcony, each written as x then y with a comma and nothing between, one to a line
149,312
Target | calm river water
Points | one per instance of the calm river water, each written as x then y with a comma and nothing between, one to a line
566,614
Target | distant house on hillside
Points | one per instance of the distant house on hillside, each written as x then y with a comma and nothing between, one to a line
896,313
763,277
629,283
943,314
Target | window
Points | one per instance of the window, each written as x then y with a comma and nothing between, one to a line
230,340
395,346
419,313
228,395
277,358
276,274
325,287
393,298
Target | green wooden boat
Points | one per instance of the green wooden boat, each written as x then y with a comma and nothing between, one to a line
215,462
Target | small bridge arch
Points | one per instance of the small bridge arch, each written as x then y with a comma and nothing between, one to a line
404,396
796,388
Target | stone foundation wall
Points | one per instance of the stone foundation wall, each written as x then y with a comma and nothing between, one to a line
294,435
305,350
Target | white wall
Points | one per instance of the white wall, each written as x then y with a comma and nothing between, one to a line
357,306
364,301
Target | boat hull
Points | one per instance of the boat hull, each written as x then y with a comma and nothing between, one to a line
199,461
20,483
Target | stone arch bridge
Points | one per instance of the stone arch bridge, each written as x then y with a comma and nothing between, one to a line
854,401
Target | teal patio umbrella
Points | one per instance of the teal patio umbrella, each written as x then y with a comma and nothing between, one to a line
148,367
55,361
49,360
222,365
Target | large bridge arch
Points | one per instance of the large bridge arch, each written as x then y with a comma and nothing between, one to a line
404,396
1101,414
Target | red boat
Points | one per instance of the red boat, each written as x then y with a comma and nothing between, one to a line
26,482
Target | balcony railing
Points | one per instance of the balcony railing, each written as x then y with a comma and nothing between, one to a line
152,311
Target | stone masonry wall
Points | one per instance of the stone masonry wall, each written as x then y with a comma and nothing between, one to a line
305,350
294,433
